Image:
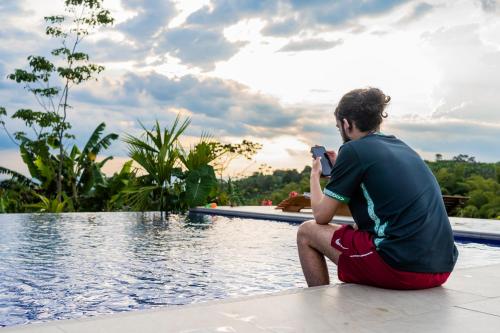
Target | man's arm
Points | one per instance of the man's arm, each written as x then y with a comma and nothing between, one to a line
323,207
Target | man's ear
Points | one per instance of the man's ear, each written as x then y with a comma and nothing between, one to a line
346,125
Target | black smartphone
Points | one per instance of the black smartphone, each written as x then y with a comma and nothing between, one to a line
326,164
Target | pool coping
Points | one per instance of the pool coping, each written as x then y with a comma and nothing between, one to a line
469,301
464,229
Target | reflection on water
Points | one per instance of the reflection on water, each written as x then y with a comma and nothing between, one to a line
74,265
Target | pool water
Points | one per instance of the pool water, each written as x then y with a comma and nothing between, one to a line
74,265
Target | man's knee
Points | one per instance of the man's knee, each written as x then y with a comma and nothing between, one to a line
304,231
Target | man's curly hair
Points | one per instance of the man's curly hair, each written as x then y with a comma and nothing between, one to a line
365,107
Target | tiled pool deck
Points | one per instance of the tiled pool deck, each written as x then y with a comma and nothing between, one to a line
468,302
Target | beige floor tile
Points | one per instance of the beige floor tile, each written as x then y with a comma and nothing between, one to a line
491,306
403,302
449,320
312,310
480,281
33,328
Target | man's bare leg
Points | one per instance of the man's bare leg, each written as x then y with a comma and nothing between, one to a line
314,243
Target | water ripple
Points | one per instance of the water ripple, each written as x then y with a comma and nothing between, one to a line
76,265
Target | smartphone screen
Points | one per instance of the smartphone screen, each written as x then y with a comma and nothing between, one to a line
326,164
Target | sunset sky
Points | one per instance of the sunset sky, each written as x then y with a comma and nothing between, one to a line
273,71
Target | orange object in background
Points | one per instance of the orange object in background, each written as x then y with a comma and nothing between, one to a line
213,205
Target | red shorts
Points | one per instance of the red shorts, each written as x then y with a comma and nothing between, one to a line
360,263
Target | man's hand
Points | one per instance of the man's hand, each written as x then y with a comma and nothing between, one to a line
332,156
316,167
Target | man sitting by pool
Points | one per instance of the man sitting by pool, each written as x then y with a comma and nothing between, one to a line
402,238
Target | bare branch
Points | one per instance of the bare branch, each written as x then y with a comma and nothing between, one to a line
8,134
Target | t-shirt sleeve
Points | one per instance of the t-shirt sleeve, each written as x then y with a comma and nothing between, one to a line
346,175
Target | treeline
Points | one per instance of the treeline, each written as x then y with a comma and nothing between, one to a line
461,175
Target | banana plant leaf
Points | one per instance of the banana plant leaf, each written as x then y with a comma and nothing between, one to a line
17,176
199,184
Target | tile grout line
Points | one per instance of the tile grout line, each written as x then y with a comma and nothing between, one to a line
477,311
471,293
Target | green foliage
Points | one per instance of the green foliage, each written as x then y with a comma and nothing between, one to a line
157,153
484,199
46,205
171,178
275,187
200,179
67,65
81,173
108,195
199,184
462,175
15,192
227,153
17,177
233,194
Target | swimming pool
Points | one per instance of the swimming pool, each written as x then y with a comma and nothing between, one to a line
74,265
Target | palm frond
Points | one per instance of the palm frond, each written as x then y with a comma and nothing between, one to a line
94,138
174,132
104,143
139,143
207,137
101,164
140,198
16,175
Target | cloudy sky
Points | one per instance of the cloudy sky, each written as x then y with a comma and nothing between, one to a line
273,71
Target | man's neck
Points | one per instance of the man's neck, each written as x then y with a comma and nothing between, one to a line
356,134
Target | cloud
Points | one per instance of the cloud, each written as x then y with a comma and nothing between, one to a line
420,10
211,97
17,44
301,13
283,28
451,137
310,45
488,5
285,18
3,74
12,7
224,107
465,62
222,13
109,50
335,13
152,16
198,47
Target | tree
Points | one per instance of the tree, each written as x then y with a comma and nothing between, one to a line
157,153
227,153
50,82
199,177
81,173
464,158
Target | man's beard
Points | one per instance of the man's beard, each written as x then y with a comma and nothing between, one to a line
343,135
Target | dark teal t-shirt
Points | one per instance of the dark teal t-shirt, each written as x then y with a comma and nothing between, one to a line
392,194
